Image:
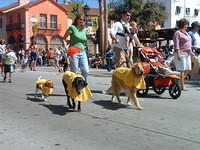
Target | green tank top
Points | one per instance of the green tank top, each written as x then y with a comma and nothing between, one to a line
78,37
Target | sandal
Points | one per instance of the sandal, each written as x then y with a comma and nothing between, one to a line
185,89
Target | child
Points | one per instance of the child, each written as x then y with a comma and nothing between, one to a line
24,62
109,55
133,34
65,62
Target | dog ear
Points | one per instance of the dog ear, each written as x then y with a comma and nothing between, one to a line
85,83
133,67
75,82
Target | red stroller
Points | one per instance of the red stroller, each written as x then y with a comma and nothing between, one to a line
157,74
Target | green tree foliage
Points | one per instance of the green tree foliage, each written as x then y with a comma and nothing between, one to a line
75,8
146,14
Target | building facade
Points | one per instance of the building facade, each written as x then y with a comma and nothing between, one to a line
45,21
177,9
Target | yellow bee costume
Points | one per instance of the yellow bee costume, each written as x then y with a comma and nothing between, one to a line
129,78
45,90
85,94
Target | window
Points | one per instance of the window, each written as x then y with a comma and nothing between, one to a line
178,9
196,12
10,20
187,11
53,22
1,22
89,22
176,23
43,21
19,18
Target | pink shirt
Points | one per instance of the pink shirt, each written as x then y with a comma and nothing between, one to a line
182,43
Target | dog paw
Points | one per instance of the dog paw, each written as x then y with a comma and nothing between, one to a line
103,92
123,103
140,108
45,99
129,104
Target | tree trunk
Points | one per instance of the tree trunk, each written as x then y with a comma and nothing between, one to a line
105,27
101,26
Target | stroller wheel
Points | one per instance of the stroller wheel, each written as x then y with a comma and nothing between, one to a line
159,90
174,91
142,92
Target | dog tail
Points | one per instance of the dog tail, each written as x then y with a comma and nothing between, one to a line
40,77
109,90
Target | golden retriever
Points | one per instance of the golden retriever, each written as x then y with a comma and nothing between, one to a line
129,80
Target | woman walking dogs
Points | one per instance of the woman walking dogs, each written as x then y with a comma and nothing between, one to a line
78,38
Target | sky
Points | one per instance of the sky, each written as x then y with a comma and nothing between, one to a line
90,3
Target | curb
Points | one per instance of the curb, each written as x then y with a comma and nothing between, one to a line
193,82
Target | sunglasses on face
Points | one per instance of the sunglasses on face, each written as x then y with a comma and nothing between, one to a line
82,19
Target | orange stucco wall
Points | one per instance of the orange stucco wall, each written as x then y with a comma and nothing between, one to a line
15,20
48,8
44,7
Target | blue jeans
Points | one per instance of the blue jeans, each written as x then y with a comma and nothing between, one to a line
80,60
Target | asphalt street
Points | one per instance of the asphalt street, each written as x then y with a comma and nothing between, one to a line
31,124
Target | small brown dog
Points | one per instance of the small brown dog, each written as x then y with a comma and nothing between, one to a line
128,80
46,87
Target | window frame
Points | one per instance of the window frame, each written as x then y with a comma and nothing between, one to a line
178,9
43,23
53,23
1,22
187,11
196,12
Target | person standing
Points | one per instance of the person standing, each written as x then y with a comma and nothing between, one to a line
10,60
109,55
57,58
195,36
3,52
33,55
183,50
118,35
78,38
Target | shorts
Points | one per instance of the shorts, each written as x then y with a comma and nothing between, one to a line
34,58
9,68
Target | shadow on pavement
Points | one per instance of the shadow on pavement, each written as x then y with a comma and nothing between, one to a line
57,109
153,95
33,94
110,105
33,99
97,91
150,95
